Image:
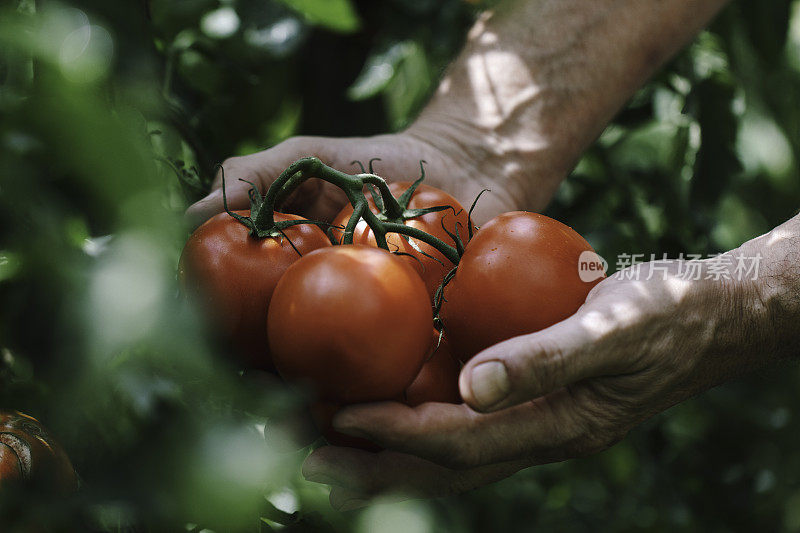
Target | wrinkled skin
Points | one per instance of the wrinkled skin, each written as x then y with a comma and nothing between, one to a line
431,269
635,348
234,276
519,274
464,177
353,322
29,455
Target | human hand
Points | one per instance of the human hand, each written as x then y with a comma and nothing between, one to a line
635,348
400,154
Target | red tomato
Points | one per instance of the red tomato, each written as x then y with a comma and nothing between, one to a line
352,321
518,274
28,454
437,380
235,274
431,270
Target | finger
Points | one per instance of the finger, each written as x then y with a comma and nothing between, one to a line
544,430
359,475
347,500
531,366
236,194
343,499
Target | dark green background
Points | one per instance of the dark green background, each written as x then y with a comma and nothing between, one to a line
104,104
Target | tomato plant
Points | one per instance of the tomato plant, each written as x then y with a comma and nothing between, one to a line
234,275
352,321
29,455
518,274
431,264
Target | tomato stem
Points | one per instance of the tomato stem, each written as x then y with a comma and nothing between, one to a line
358,210
262,218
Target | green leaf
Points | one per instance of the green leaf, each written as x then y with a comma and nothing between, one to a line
410,87
717,161
767,26
336,15
10,264
379,70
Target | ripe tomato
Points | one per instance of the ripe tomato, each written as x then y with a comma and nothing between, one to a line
518,274
235,274
29,455
354,322
431,270
437,380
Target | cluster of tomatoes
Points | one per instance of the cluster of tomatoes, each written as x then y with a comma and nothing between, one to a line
355,322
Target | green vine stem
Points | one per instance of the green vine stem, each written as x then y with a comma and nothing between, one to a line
262,214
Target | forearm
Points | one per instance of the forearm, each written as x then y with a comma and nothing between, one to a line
777,287
539,80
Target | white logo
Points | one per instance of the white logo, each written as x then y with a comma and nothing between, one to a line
591,266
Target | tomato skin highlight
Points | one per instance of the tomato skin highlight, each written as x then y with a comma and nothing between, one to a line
432,271
519,274
437,380
234,276
351,321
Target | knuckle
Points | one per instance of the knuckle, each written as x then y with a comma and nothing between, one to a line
453,449
596,429
233,167
544,367
231,162
598,434
295,144
589,439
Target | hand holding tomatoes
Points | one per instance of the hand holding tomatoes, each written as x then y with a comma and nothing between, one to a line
637,346
400,155
354,322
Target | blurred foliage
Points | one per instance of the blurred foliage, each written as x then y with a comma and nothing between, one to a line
112,115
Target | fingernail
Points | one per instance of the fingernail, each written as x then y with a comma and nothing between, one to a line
489,383
350,505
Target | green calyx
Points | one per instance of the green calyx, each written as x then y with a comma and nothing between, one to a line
393,211
256,221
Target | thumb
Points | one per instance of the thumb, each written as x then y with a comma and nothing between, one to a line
530,366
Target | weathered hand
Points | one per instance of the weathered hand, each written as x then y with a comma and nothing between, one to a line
400,156
635,348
